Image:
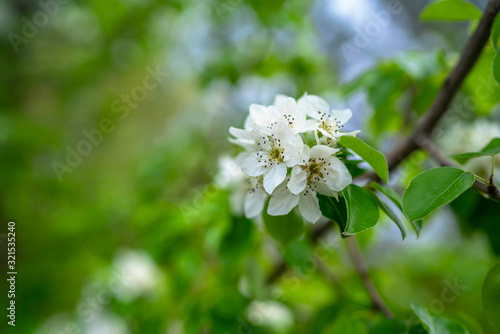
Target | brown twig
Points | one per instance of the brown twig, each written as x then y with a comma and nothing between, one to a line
361,268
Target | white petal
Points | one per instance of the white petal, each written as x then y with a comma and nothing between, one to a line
341,115
254,203
246,144
313,106
348,134
274,177
263,117
322,151
298,180
282,202
248,123
282,101
336,176
323,189
325,133
242,134
309,206
311,125
252,164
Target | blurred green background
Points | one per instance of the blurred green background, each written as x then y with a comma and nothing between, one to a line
133,236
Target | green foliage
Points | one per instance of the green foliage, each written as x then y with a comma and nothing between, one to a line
355,211
496,68
434,188
374,158
491,296
147,185
451,10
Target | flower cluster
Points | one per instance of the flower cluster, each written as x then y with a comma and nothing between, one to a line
290,155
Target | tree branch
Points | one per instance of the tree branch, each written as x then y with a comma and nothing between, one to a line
426,125
427,144
359,264
470,53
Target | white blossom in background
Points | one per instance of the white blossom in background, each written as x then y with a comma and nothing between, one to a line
247,193
141,272
105,323
281,159
472,137
271,314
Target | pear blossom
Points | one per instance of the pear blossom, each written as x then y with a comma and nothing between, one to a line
319,172
271,155
277,163
329,121
284,109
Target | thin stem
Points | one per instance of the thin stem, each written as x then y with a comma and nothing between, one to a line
492,169
359,264
481,179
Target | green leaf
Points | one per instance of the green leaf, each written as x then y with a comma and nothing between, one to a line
393,195
438,324
492,148
451,10
417,225
434,188
495,33
464,157
334,209
389,213
284,229
373,157
397,199
491,296
496,68
362,211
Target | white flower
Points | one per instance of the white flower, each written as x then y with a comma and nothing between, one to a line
319,172
247,193
272,153
105,323
255,197
329,122
141,274
271,314
284,109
